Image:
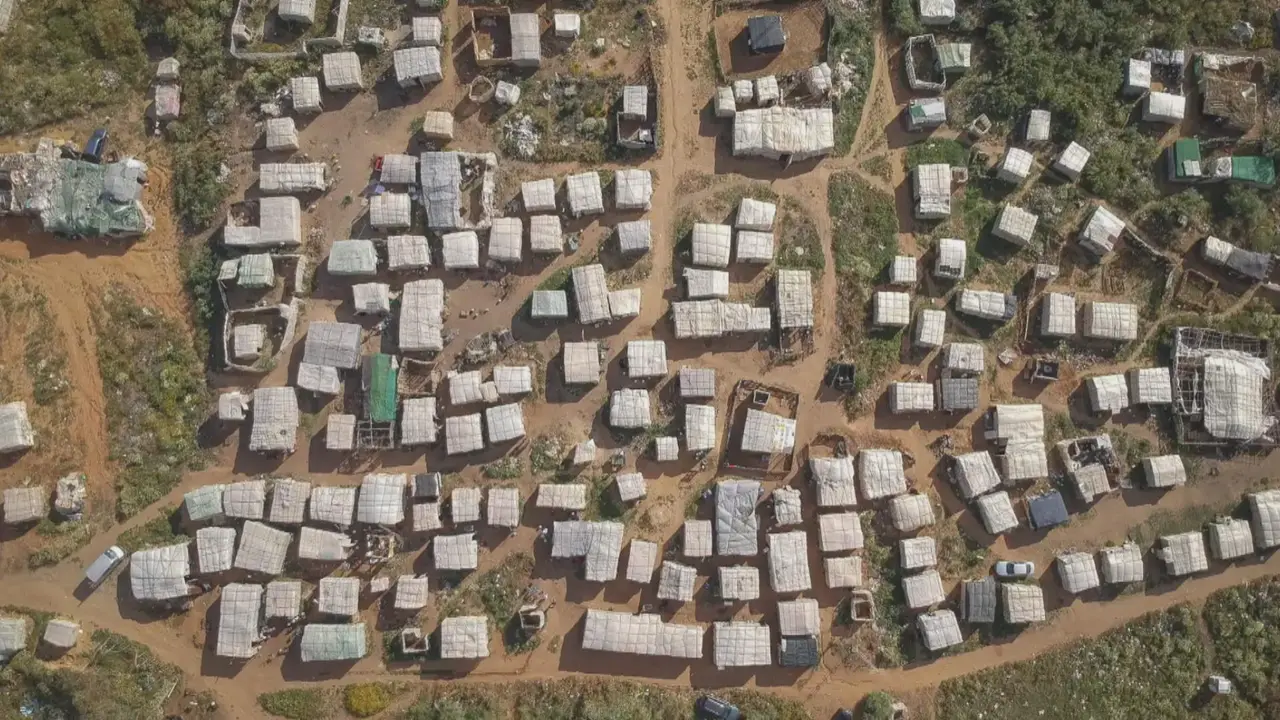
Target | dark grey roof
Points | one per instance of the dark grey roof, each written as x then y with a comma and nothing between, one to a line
765,33
979,598
1046,510
798,652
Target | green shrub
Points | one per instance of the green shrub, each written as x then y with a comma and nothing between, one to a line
366,699
878,706
296,704
903,19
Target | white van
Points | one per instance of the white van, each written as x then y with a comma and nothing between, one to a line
101,568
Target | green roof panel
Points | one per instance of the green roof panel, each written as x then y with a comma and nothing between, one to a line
380,386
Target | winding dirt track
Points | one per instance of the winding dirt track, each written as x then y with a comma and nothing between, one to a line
149,268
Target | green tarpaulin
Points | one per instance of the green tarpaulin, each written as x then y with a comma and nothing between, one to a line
381,399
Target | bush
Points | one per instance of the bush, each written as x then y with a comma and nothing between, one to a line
1121,167
366,699
295,704
1246,219
903,19
1171,216
197,191
878,706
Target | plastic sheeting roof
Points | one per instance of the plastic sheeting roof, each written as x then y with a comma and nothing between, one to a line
910,512
455,552
333,643
736,523
239,621
643,634
742,644
464,638
768,433
882,473
789,562
975,474
160,573
382,499
923,589
641,558
600,543
335,505
1078,572
591,292
834,478
1022,603
939,629
839,532
1234,393
777,131
675,581
997,512
1121,564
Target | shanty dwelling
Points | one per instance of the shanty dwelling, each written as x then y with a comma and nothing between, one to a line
931,188
939,630
585,196
755,215
283,600
818,79
13,636
789,562
646,359
262,549
975,474
625,303
167,69
768,434
958,394
697,383
931,327
353,257
978,600
696,539
799,622
635,237
215,549
1183,553
503,508
987,305
333,643
1015,166
167,102
275,420
911,512
937,12
319,379
202,505
464,505
506,240
591,291
632,189
910,397
305,92
255,271
280,134
371,298
464,388
1111,321
630,486
417,66
1107,393
1150,386
25,505
840,532
16,434
418,424
1264,507
546,236
1137,77
239,621
1164,108
891,309
463,434
1164,471
428,31
1015,225
160,574
642,556
783,133
923,590
996,510
342,72
437,125
245,500
1046,510
1090,481
737,526
562,496
505,423
794,299
1038,124
960,358
581,363
1253,266
767,91
584,453
297,11
926,114
1023,604
711,245
59,636
765,34
738,583
389,210
460,250
882,473
1121,564
232,406
787,508
464,638
1230,538
567,25
1078,572
382,499
1100,234
834,480
1058,315
598,543
335,505
726,101
455,553
629,409
918,553
843,572
644,634
513,379
539,196
754,247
331,344
426,517
675,582
411,593
949,263
323,546
1019,423
1072,161
408,252
902,271
288,178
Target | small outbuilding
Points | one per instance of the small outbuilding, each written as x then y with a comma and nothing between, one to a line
1015,225
1078,572
1023,604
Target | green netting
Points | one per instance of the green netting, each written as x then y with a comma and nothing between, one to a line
1185,150
81,207
381,400
1254,169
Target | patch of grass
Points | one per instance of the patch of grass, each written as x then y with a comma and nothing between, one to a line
850,42
164,529
1058,427
713,56
156,399
799,246
297,704
547,453
941,150
865,226
573,123
959,556
1148,668
1129,449
1120,169
364,700
61,539
497,592
603,502
469,703
1173,215
1246,216
558,280
1169,522
1244,625
45,356
891,607
508,468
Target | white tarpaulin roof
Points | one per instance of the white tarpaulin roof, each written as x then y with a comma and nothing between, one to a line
160,573
1019,422
591,292
768,433
239,621
835,480
742,644
794,299
737,525
777,131
1234,393
910,512
789,562
641,558
882,473
644,634
600,543
464,638
675,581
382,499
975,474
699,427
